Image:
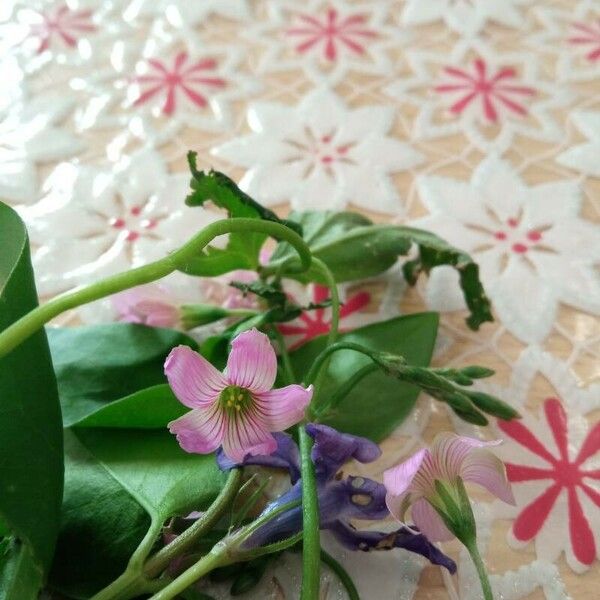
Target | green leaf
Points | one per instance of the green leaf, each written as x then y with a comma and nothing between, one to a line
349,244
102,525
20,578
117,481
379,403
98,364
31,467
354,248
433,252
151,408
242,251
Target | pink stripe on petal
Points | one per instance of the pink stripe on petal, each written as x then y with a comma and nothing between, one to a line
200,431
194,381
281,408
252,363
450,450
244,435
488,471
429,522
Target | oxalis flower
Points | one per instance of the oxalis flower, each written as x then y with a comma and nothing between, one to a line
450,460
236,409
341,498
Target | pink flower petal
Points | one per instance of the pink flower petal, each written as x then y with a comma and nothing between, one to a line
487,470
200,431
429,522
252,363
283,407
448,452
397,480
247,435
195,382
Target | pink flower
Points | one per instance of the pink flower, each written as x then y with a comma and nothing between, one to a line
316,322
148,305
332,33
587,34
570,472
193,81
236,409
492,89
412,483
62,23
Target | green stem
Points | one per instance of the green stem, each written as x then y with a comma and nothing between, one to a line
481,570
217,557
325,354
335,298
341,574
186,540
311,551
285,355
338,396
179,259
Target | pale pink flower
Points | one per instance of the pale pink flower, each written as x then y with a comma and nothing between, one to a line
236,409
148,305
412,483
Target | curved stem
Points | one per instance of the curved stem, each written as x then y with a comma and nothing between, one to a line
341,574
325,354
335,298
285,355
183,542
179,259
311,551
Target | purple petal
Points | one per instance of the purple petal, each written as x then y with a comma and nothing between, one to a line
283,407
194,381
244,434
354,539
286,456
200,431
487,470
429,522
332,449
351,498
252,363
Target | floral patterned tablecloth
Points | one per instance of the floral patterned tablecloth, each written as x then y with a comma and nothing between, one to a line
477,119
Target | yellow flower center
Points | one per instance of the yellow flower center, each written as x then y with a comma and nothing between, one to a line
235,400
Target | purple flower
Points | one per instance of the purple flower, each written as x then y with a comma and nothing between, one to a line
340,498
236,409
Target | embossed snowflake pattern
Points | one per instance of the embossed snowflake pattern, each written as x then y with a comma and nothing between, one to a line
321,154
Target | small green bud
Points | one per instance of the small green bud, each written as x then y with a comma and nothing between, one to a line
493,406
471,416
477,372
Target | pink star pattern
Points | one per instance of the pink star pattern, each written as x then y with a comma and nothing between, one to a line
195,81
564,472
317,322
333,33
588,35
61,23
491,89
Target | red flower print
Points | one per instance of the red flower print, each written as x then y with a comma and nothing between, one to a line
587,35
333,33
492,89
61,22
193,80
563,472
316,322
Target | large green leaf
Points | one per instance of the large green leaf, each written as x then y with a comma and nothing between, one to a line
242,250
31,464
354,248
379,403
116,481
98,364
351,246
151,408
